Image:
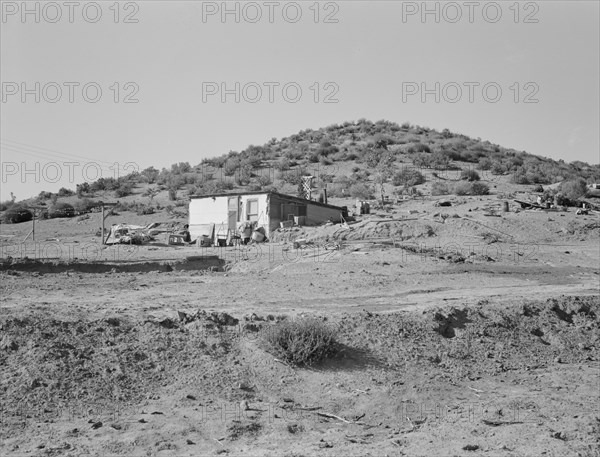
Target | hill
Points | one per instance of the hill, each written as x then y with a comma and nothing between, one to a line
362,159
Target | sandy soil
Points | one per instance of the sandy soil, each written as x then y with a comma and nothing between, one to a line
459,334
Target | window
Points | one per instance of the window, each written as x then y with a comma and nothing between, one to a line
252,210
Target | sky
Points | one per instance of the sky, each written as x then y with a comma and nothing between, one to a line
99,89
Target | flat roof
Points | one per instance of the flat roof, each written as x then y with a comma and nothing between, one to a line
268,192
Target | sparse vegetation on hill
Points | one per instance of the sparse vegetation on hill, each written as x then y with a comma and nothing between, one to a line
352,160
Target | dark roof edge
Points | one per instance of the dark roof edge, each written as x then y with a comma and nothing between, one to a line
270,192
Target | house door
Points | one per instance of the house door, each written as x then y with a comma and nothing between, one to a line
233,206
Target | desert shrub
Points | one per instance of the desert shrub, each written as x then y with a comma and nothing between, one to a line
519,177
213,187
408,177
479,188
326,148
43,195
83,189
293,177
538,188
150,192
223,185
142,209
422,161
372,157
175,181
361,175
417,147
360,190
17,214
462,188
410,191
263,181
283,164
6,204
301,341
123,190
231,166
497,168
85,205
574,189
64,192
150,175
485,163
243,175
439,188
469,175
61,210
337,190
439,161
563,200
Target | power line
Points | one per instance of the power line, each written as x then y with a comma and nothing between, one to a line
51,159
120,169
52,151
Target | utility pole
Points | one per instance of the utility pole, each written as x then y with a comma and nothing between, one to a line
32,231
108,205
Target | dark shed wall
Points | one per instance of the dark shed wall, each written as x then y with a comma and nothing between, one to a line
315,214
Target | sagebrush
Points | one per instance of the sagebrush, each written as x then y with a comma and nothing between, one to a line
301,341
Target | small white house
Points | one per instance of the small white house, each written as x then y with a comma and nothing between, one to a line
221,214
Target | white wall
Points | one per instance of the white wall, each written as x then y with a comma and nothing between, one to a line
263,210
204,211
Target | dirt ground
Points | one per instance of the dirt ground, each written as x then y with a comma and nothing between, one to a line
459,334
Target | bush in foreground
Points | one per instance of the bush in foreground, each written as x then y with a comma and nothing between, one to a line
301,341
